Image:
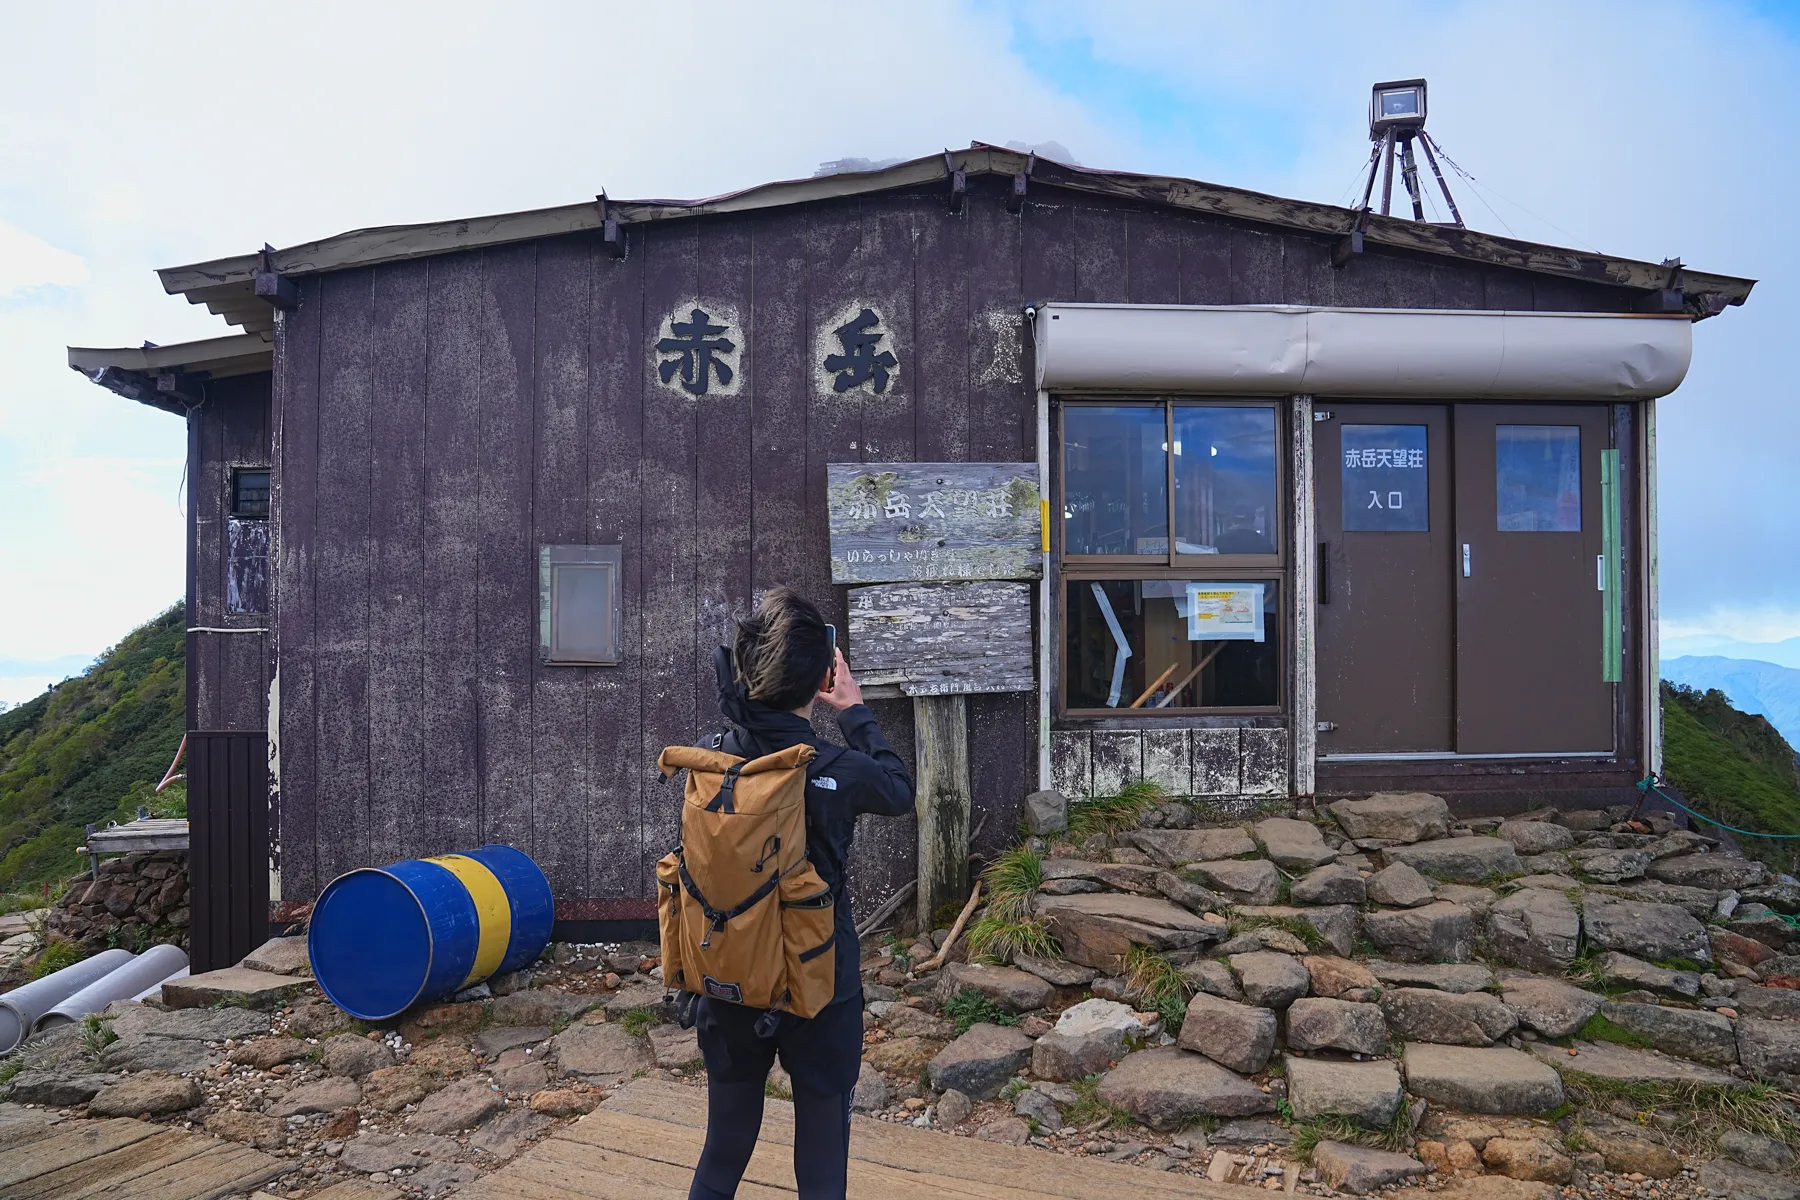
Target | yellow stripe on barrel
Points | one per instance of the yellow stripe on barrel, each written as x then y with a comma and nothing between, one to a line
493,912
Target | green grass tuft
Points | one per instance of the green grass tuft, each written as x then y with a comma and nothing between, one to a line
637,1021
1109,815
1013,1089
1008,928
1599,1029
96,1035
1396,1135
777,1091
994,939
969,1008
56,955
1163,987
1300,927
1705,1112
1089,1108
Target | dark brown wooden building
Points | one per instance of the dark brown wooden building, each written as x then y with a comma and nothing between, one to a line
1415,480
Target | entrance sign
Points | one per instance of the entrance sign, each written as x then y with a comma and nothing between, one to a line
1385,479
937,639
916,521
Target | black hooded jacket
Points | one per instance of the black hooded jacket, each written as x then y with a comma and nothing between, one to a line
841,784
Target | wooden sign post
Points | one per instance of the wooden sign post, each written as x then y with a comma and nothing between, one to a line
935,539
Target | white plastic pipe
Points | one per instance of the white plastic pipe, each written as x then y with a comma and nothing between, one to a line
21,1007
158,985
147,970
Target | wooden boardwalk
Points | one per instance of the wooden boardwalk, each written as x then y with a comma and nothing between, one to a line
46,1158
642,1145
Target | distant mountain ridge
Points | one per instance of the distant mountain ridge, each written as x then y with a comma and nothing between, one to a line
1767,688
1733,766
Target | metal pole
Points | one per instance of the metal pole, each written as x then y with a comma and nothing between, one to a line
1425,144
1409,174
1387,173
1374,167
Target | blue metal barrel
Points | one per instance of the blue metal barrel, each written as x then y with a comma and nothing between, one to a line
382,939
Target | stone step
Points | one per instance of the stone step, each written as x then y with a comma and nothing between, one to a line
234,985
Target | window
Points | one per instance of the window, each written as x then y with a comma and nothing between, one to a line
1172,555
579,605
1537,471
250,492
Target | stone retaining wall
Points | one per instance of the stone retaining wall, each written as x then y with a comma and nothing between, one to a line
136,900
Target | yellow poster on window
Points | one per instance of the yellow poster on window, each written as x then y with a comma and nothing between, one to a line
1231,612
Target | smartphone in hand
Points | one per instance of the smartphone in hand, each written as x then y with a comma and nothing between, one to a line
831,643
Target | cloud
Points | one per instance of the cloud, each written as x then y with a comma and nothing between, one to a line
28,262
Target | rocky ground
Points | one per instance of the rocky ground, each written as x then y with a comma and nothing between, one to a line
1374,998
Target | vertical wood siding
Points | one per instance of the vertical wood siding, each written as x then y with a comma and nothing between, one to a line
438,420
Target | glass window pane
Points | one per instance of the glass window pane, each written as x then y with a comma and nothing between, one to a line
1225,480
1192,643
1537,471
583,612
1385,477
1115,480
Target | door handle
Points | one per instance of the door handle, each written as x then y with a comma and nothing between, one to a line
1467,571
1600,572
1324,596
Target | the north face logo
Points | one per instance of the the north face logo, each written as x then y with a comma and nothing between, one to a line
722,991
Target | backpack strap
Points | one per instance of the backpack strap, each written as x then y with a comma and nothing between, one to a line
714,916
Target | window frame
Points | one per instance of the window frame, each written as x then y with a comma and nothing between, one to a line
1076,568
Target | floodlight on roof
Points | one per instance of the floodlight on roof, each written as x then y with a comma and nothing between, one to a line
1396,121
1396,105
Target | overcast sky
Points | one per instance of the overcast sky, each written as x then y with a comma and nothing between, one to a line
134,136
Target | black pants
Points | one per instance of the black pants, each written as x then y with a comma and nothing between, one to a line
822,1056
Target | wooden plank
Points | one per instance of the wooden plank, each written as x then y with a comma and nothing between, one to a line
943,800
340,571
506,614
244,686
725,447
451,529
1206,262
1256,269
940,638
71,1142
212,1169
1153,258
562,797
206,503
1303,686
887,288
397,569
911,521
670,472
1102,254
1002,403
942,333
615,436
296,509
96,1174
779,375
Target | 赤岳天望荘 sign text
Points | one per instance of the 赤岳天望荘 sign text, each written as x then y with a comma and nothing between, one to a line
893,522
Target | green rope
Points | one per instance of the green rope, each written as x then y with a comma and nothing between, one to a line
1648,783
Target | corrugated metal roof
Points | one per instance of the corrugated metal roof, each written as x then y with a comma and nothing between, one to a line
225,285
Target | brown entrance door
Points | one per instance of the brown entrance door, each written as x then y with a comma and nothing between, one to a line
1385,591
1528,605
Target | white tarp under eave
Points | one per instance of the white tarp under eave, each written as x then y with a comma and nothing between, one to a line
1412,353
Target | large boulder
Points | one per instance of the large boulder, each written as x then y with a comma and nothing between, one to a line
1330,884
1628,1065
462,1105
1535,837
1782,1003
1769,1048
1368,1093
1435,932
1046,813
1333,976
1527,1158
1333,924
600,1052
1100,930
1622,970
146,1092
1178,847
1270,980
1243,881
1535,928
1212,977
1293,845
1445,977
347,1054
1720,872
1491,1079
1399,886
1168,1087
1320,1023
1087,1038
1550,1006
1394,817
1239,1036
1458,860
904,1056
1014,990
1702,1036
1189,894
1055,971
1607,865
981,1061
329,1095
1652,931
1446,1018
1722,1177
1361,1170
1626,1152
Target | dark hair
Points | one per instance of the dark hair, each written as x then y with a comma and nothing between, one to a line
782,651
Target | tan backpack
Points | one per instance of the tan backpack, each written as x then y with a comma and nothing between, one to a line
744,916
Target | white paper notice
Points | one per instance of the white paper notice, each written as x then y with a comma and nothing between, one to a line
1225,612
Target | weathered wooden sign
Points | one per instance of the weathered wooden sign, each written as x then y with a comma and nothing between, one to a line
912,521
938,639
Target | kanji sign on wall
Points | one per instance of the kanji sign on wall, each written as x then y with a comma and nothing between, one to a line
900,522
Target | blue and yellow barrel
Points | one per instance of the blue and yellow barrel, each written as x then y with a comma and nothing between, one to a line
382,939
